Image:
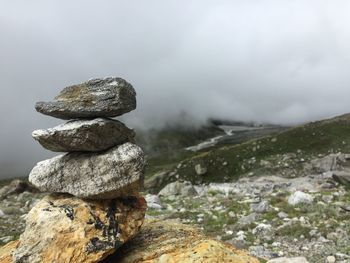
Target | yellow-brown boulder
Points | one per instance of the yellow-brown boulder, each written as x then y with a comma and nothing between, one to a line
171,242
66,229
7,250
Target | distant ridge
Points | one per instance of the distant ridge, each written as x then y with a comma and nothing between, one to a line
228,163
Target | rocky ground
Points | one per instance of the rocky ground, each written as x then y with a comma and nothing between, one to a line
13,210
270,216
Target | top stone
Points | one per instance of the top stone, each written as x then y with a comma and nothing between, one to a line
108,97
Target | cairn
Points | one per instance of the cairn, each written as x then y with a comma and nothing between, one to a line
94,204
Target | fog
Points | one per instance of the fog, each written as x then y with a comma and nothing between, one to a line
268,61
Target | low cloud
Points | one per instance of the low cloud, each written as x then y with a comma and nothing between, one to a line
269,61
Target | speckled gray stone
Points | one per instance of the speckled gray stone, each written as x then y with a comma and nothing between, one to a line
108,97
104,175
84,135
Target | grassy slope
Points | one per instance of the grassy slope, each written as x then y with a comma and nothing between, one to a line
305,141
165,148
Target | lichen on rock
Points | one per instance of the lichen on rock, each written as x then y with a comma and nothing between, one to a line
104,175
107,97
62,228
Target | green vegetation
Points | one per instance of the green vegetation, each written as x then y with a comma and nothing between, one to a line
294,230
5,182
304,142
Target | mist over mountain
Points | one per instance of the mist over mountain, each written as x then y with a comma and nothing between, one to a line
282,62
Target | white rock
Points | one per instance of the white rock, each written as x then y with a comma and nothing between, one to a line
240,233
331,259
200,169
240,236
276,244
262,229
229,232
153,201
322,239
178,188
231,214
200,220
302,220
288,260
299,197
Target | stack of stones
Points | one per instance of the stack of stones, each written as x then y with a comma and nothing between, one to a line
94,204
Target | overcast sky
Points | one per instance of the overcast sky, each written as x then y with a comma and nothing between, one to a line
276,61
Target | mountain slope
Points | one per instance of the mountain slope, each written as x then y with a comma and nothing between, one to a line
263,155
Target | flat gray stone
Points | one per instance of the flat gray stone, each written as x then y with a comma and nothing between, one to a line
153,201
108,97
84,135
246,220
260,207
342,177
116,172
